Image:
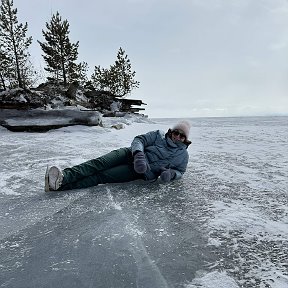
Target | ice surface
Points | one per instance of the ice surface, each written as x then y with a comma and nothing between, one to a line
224,224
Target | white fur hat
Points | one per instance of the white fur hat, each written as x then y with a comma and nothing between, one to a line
184,126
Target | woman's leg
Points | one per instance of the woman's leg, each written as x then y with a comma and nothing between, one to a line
118,174
92,167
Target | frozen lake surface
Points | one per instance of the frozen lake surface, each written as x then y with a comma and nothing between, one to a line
224,224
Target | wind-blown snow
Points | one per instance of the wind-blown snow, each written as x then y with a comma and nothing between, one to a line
235,191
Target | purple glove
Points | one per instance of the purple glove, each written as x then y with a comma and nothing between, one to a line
140,163
167,175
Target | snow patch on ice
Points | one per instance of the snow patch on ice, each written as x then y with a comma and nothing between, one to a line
273,276
213,280
247,217
214,242
5,188
255,241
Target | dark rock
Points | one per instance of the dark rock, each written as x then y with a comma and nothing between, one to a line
57,96
42,120
21,99
72,90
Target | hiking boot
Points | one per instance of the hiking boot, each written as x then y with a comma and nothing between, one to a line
53,178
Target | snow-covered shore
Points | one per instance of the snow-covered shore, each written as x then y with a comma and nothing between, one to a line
224,223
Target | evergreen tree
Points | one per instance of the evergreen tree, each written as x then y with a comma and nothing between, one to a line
59,53
102,78
6,71
123,75
14,47
118,79
78,73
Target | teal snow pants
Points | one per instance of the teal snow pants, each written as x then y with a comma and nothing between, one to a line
114,167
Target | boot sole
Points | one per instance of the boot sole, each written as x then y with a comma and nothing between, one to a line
54,174
46,189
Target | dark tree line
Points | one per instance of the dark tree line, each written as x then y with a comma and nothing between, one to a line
60,56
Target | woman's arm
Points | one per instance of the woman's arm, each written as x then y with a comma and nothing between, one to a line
144,140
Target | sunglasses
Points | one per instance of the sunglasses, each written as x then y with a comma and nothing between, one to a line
177,133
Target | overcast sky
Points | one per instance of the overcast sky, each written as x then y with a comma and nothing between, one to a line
193,58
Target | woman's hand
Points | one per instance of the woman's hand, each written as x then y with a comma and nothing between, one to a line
167,174
140,163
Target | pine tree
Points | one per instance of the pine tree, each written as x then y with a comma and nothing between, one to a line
123,75
59,53
118,79
101,79
6,71
14,47
78,73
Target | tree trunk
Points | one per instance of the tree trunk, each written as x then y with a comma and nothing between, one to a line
63,64
3,82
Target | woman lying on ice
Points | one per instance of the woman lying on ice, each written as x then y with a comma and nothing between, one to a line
151,155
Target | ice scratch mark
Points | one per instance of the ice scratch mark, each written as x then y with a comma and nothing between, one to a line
112,201
149,275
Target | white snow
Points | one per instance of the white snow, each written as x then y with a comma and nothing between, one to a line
238,169
22,99
213,280
249,218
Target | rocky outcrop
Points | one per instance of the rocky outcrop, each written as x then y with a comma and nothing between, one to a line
111,105
21,99
51,96
51,106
